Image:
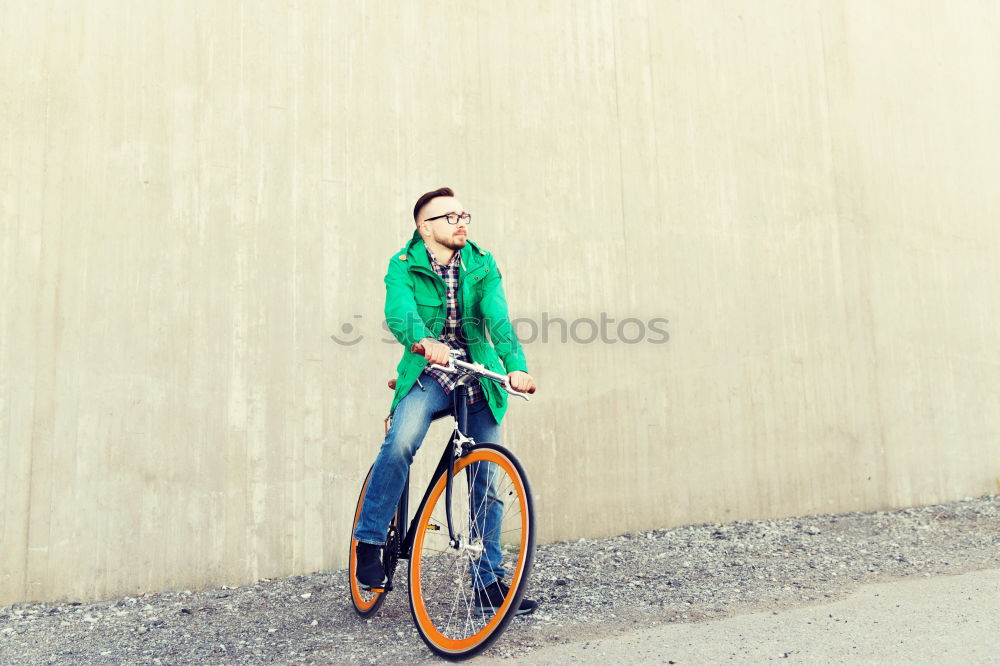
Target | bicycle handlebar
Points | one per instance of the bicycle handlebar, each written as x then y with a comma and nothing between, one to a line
476,369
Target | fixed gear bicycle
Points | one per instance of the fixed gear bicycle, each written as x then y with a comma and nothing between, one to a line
482,508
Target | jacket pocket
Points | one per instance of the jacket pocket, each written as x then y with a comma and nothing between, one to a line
430,307
428,299
472,292
476,277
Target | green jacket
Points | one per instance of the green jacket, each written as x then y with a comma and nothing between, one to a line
415,309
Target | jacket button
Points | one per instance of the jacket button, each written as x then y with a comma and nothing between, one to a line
403,257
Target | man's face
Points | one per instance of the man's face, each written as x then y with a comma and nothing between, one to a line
452,236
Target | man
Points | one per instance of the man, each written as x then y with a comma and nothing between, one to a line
426,296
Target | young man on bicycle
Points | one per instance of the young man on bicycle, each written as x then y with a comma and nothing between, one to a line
445,292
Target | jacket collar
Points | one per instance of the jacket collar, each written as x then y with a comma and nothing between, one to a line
416,252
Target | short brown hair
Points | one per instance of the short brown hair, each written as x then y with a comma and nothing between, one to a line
425,198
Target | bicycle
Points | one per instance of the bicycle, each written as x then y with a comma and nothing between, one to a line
447,534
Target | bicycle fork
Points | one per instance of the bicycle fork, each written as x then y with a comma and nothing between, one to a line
459,443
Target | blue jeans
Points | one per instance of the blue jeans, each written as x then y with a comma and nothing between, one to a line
410,421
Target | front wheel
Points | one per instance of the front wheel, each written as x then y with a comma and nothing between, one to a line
493,518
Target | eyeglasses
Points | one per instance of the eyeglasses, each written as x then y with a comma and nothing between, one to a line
453,218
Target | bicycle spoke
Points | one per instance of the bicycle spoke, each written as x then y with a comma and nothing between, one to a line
454,606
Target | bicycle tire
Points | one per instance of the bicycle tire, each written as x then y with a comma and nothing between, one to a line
366,602
441,596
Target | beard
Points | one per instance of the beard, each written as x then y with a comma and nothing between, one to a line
452,242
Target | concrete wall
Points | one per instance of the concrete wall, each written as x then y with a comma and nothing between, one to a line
195,196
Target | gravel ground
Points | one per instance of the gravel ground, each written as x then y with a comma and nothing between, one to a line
589,588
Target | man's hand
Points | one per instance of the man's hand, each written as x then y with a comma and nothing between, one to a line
521,381
436,352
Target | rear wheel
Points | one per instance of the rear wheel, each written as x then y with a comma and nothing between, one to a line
492,516
367,602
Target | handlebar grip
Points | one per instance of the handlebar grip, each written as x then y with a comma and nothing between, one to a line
531,390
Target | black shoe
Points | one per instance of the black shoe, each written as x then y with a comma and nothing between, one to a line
490,598
369,571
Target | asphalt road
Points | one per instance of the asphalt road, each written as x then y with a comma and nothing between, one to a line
932,620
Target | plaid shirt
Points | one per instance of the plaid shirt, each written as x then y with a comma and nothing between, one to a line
451,334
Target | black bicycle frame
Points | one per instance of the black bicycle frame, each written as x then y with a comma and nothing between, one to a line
447,463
